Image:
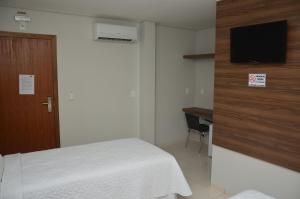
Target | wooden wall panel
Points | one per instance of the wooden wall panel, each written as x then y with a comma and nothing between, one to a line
261,122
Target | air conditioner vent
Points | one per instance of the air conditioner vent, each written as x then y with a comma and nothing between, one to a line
113,39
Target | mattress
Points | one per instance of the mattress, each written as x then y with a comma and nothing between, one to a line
120,169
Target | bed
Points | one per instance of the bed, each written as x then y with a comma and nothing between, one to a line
251,194
120,169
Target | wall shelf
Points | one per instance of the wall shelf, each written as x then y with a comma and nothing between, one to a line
199,56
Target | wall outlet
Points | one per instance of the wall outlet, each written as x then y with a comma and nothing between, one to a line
202,91
187,91
132,94
71,96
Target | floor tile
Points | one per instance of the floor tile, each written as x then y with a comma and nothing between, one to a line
196,168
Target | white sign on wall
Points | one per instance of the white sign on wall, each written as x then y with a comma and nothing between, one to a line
26,84
257,80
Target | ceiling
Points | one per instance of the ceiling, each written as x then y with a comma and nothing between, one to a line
194,14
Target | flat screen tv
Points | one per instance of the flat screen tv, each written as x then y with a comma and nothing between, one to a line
262,43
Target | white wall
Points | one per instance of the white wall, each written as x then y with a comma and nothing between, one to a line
173,75
100,74
205,69
236,172
147,82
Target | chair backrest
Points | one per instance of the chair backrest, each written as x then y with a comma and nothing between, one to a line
192,121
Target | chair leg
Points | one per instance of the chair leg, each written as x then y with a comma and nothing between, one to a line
188,138
201,142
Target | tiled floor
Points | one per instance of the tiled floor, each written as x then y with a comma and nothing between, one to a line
196,168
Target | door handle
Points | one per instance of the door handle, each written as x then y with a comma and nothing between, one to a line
49,104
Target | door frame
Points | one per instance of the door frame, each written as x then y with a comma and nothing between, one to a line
52,38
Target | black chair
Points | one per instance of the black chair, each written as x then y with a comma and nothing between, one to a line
194,124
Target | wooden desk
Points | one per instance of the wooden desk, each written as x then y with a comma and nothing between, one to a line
206,114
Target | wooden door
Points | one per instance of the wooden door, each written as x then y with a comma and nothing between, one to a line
27,123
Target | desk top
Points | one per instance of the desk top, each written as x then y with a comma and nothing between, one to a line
203,113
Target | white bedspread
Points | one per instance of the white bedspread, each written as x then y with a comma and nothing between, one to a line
121,169
251,194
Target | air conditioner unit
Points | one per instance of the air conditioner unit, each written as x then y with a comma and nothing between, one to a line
116,32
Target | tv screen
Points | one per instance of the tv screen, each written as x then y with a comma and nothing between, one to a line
262,43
